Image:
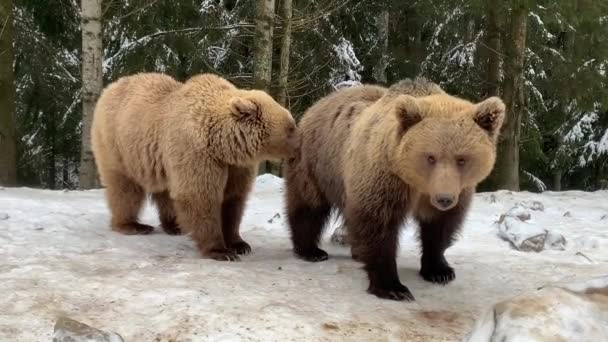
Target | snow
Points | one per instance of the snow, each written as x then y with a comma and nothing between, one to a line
350,66
59,258
581,128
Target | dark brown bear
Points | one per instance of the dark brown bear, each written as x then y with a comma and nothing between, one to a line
377,155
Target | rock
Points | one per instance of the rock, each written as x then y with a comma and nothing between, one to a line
537,206
604,217
526,237
4,216
567,214
558,312
492,198
339,237
555,241
69,330
519,212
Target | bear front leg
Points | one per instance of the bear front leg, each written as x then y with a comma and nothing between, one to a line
437,232
239,184
197,189
374,240
166,213
201,215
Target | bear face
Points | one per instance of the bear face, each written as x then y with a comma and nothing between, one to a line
445,144
276,126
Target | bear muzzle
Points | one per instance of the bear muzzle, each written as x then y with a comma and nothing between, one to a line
444,201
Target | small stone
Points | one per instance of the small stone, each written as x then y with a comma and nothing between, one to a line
520,213
567,214
280,268
4,216
492,198
69,330
605,216
533,244
276,216
538,206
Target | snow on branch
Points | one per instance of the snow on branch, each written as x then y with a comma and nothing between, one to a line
539,184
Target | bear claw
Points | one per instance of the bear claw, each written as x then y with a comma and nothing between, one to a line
396,292
439,273
241,248
313,254
223,255
172,230
133,229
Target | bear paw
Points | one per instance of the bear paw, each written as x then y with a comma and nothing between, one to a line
173,230
241,247
395,291
223,254
133,228
313,254
437,272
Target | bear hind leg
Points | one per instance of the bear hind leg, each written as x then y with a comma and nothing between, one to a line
125,199
306,222
238,186
166,213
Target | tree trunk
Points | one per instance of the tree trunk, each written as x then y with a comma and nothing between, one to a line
262,58
492,42
51,182
8,149
92,83
506,170
287,12
382,28
557,181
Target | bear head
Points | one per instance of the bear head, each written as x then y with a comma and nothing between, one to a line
444,144
269,126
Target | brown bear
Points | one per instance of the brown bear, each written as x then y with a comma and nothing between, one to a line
193,146
377,155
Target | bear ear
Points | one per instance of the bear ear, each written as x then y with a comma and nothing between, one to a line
407,111
244,108
489,115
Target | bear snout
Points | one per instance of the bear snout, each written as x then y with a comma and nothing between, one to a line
444,201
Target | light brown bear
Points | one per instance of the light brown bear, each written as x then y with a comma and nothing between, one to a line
193,146
377,155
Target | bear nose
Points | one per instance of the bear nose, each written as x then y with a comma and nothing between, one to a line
444,200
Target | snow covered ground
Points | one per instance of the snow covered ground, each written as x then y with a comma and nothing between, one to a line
59,258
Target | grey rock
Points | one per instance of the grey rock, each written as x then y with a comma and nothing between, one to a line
526,237
69,330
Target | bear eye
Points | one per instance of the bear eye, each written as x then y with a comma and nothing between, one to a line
461,161
431,160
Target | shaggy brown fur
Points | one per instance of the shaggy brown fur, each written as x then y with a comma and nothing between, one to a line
194,146
377,154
